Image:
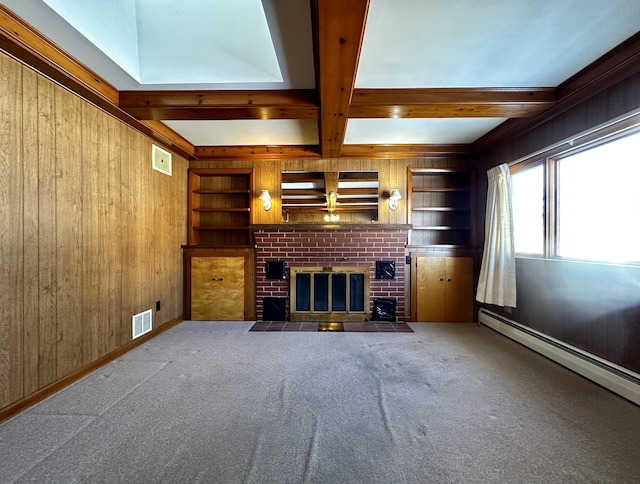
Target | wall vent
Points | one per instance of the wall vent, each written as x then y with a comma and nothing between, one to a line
141,323
161,160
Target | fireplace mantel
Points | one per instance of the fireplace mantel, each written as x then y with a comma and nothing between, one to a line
303,227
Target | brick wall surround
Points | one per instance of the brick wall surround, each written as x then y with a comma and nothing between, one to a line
331,248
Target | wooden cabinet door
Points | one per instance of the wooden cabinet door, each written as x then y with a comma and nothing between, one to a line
444,289
430,290
217,288
458,300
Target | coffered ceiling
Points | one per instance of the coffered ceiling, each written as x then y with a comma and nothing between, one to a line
331,78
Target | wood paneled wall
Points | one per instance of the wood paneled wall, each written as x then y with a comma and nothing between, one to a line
595,307
89,233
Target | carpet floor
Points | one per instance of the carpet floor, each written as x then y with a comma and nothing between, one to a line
212,402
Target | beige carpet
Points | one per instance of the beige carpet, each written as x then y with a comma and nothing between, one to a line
214,403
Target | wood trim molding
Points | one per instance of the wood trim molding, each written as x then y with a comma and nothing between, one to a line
256,152
451,102
171,138
25,44
315,226
340,33
404,151
14,30
615,66
273,104
39,395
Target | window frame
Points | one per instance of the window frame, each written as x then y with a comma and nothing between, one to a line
549,158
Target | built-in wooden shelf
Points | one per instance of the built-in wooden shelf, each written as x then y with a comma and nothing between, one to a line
440,207
219,192
220,207
222,227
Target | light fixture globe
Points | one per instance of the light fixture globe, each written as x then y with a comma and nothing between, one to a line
393,199
266,200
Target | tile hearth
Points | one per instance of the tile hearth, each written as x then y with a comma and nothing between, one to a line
347,327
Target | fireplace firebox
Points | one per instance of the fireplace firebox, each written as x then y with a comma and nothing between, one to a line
329,293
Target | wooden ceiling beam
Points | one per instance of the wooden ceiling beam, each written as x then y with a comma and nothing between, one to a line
404,151
270,104
451,102
256,152
340,33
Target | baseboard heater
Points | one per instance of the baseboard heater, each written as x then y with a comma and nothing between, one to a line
613,377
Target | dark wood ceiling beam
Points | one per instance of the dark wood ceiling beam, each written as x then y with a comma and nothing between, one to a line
256,152
273,104
340,32
453,102
404,151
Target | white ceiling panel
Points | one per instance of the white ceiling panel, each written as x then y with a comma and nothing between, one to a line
164,42
169,44
418,131
247,132
489,43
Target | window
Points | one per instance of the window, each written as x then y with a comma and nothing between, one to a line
528,210
599,202
592,208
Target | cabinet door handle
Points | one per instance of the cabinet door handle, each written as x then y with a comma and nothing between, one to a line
222,279
449,280
213,279
441,279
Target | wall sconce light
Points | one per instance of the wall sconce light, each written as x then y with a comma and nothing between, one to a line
332,200
266,200
393,199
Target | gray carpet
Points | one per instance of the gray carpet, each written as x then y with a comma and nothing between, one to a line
213,403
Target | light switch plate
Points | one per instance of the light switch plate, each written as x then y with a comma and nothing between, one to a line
161,160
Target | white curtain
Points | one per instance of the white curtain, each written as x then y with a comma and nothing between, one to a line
497,283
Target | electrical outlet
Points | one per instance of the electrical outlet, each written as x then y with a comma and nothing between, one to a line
157,305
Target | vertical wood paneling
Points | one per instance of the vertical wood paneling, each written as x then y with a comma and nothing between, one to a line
127,217
179,205
47,263
11,213
81,237
91,260
161,216
68,231
31,308
145,240
112,233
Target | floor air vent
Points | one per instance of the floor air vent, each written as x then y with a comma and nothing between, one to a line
141,323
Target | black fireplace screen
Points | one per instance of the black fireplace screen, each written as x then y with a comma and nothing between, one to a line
329,291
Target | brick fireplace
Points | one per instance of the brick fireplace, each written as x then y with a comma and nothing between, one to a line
336,246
